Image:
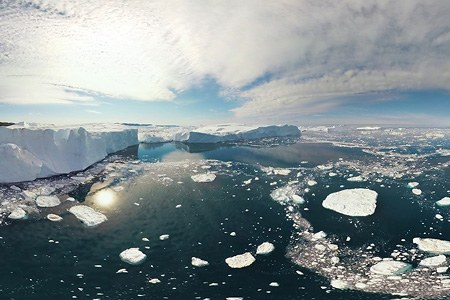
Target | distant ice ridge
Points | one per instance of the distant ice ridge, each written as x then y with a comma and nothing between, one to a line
31,151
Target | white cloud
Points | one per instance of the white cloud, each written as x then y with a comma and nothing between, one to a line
312,53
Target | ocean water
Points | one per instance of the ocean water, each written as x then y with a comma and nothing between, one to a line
147,191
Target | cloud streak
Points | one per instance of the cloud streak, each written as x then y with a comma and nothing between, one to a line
275,57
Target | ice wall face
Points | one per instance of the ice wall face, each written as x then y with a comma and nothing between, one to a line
27,153
231,133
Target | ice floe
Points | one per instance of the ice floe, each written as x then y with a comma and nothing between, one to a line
17,214
206,177
430,245
240,261
54,218
287,193
443,202
352,202
433,261
198,262
47,201
132,256
265,248
390,268
417,192
87,215
164,237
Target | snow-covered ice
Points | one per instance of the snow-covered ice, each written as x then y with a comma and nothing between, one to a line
54,217
132,256
433,261
352,202
240,261
87,215
443,202
47,201
206,177
265,248
390,268
417,192
164,237
17,214
430,245
198,262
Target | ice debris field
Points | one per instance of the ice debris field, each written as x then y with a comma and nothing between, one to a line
350,214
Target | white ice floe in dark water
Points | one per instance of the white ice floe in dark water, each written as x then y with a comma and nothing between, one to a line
287,193
417,192
413,184
154,281
276,171
265,248
339,284
390,268
132,256
352,202
240,261
54,218
198,262
87,215
206,177
17,214
433,261
164,237
356,179
435,246
121,271
443,202
47,201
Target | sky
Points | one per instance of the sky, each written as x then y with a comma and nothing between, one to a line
192,62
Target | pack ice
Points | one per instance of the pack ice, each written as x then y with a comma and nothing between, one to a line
31,151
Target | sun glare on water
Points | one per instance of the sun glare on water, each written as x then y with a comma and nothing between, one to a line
105,198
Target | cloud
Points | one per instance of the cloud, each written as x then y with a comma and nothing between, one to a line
275,58
91,111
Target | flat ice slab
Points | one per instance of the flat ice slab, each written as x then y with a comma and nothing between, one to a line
352,202
443,202
47,201
207,177
17,214
265,248
433,261
434,246
390,268
240,261
198,262
132,256
87,215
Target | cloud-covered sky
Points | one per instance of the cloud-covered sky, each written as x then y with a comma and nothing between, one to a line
184,61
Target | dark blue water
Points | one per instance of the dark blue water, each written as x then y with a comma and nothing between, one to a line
46,260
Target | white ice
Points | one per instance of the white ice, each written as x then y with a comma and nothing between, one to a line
206,177
132,256
390,268
240,261
87,215
47,201
433,261
443,202
265,248
17,214
198,262
352,202
430,245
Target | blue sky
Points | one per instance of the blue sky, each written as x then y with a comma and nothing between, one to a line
201,62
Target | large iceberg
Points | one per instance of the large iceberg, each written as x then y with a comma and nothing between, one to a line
31,151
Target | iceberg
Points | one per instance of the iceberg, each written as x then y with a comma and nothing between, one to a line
31,151
87,215
352,202
198,262
240,261
132,256
265,248
232,133
434,246
390,268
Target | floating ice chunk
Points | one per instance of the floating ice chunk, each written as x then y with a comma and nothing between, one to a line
319,235
132,256
417,192
430,245
120,271
240,261
413,184
356,179
87,215
439,217
265,248
339,284
233,233
297,199
164,237
433,261
207,177
352,202
197,262
276,171
54,218
47,201
274,284
311,182
390,268
17,214
442,269
28,195
70,199
443,202
145,239
332,174
286,194
154,281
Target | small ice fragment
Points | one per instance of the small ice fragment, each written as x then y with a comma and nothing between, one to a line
312,182
132,256
178,206
121,271
439,217
412,184
339,284
197,262
443,202
70,199
417,192
47,201
54,218
17,214
274,284
207,177
240,261
233,233
164,237
154,280
265,248
145,239
441,270
87,215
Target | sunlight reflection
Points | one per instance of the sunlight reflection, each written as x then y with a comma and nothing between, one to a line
105,198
